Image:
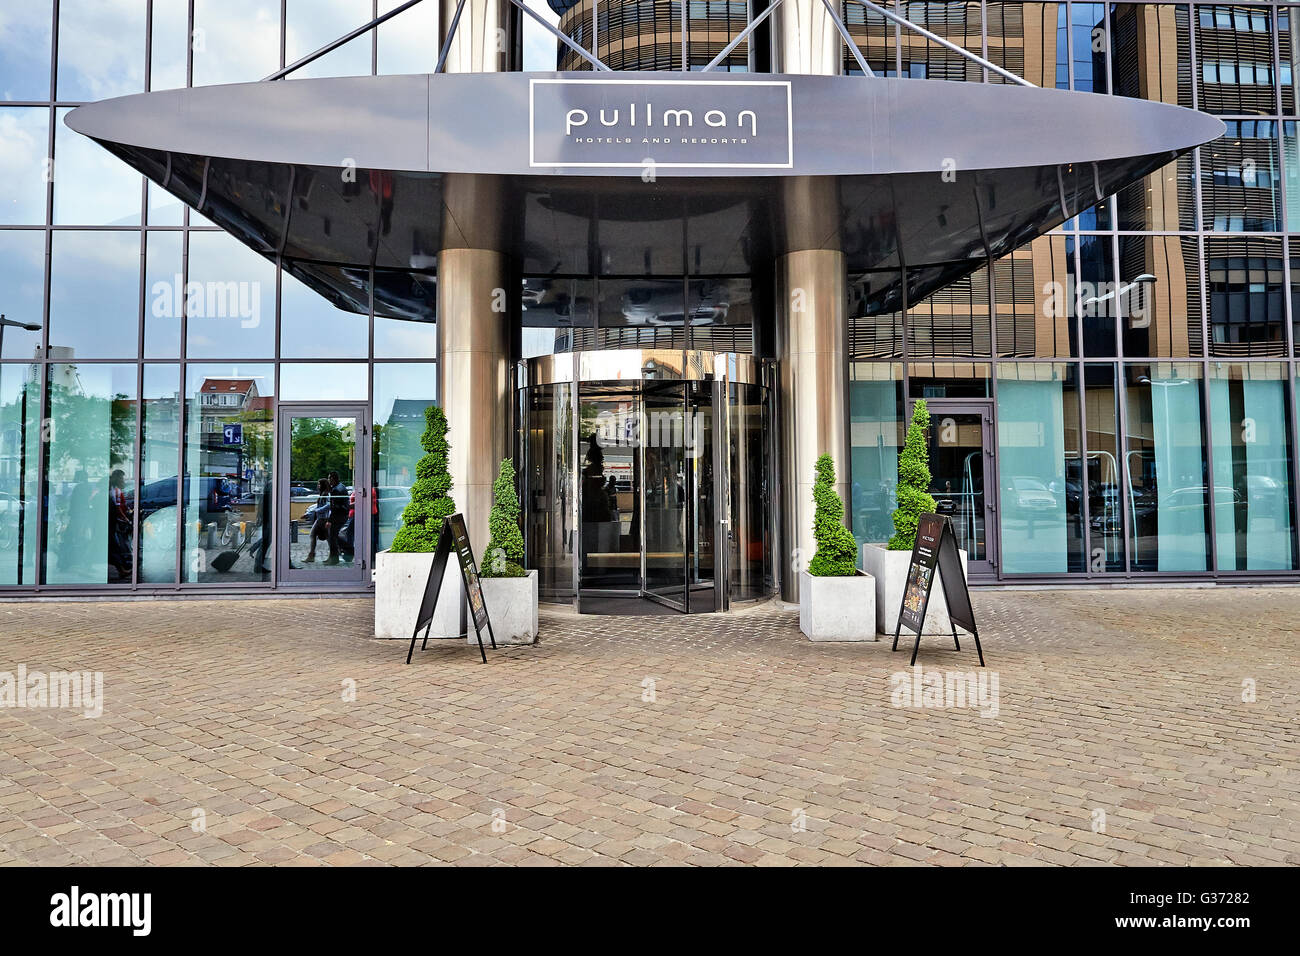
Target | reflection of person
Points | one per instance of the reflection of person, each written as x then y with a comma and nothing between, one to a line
611,495
338,513
119,524
264,525
320,519
77,511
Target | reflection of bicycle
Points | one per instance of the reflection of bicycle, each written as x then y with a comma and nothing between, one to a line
229,531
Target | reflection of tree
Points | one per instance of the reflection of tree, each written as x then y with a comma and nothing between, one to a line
317,447
84,427
397,447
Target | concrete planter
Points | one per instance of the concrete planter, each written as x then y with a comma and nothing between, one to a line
837,609
399,586
512,609
889,568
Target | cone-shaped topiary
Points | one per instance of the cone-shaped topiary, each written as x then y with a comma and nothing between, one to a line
836,548
431,493
504,557
913,481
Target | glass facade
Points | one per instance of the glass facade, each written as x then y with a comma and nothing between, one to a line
137,421
1139,361
1138,366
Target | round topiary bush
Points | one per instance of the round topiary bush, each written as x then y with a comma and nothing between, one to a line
837,549
913,481
431,494
504,557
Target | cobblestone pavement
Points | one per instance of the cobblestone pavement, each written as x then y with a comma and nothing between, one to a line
1121,736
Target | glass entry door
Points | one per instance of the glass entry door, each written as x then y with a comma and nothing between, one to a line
961,456
665,492
322,498
648,499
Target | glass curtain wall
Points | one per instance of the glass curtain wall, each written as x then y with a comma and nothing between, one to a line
136,330
1141,357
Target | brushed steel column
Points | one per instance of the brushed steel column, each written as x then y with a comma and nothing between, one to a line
810,304
811,345
477,301
487,38
804,39
473,377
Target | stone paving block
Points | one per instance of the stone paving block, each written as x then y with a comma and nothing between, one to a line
1122,701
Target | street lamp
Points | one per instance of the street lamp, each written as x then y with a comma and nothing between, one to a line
22,442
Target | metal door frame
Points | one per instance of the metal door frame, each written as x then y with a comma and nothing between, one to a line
984,408
361,478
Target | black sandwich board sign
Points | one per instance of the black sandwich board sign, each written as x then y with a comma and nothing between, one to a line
453,535
936,549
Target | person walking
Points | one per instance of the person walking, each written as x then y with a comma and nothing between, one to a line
338,513
320,519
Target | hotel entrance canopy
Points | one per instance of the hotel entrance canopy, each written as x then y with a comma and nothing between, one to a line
635,173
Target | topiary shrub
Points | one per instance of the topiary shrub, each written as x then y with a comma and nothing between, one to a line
505,550
913,481
431,493
837,549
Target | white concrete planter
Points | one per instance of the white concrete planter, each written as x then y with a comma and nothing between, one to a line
837,609
399,586
889,568
512,609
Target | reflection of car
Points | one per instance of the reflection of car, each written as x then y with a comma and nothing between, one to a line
1267,492
298,491
1028,494
392,502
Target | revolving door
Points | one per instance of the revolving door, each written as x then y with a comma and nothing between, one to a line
649,478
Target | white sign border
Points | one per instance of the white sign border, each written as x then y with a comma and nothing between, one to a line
561,81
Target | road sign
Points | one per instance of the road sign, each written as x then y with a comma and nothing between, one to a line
232,434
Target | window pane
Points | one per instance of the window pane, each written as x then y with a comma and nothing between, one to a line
1159,296
875,438
323,382
20,449
89,466
311,24
1151,52
1038,464
101,49
167,51
164,289
159,457
1097,296
408,43
164,208
1243,173
95,294
229,299
25,50
1165,456
1242,52
402,393
1035,300
24,131
235,41
1105,539
92,187
1244,279
1088,43
22,288
1162,201
953,322
1253,523
311,327
228,485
